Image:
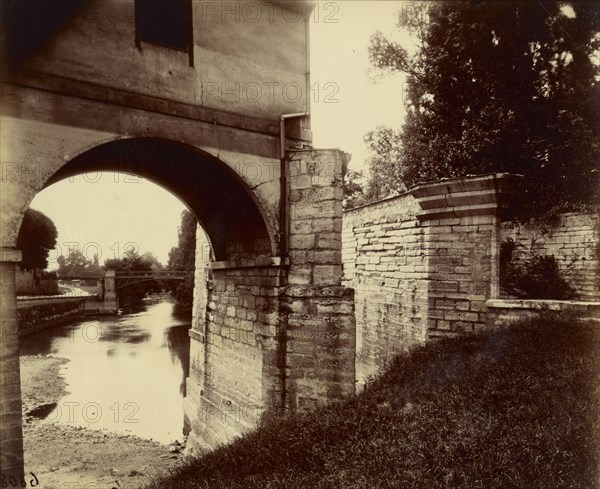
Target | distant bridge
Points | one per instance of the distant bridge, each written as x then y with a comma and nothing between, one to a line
111,281
129,277
124,279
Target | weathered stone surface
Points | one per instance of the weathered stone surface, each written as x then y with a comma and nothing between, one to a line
276,333
422,265
185,121
572,238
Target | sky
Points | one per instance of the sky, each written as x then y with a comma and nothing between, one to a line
107,212
339,54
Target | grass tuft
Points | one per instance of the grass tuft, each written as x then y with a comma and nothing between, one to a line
517,407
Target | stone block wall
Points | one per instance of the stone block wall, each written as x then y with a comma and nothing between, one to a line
38,314
320,345
11,431
318,311
234,365
384,261
29,282
422,264
573,239
461,255
274,334
503,311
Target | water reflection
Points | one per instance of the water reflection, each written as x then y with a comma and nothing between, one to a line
42,411
125,373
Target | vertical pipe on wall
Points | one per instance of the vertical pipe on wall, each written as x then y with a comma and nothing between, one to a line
283,180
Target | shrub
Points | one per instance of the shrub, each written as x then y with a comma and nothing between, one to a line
535,277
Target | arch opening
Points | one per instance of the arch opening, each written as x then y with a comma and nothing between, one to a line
225,208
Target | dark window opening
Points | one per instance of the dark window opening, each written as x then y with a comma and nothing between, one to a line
164,22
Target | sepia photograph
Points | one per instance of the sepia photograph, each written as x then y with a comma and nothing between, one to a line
300,244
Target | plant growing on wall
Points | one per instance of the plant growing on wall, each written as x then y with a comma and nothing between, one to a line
534,277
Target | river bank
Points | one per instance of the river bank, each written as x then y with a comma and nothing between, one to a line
61,455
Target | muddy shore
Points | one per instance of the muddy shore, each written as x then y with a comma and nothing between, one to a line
64,456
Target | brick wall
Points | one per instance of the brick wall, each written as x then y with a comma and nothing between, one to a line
384,261
274,333
503,311
318,311
422,265
573,239
234,371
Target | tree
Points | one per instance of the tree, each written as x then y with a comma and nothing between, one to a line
149,258
76,264
183,258
499,87
353,190
36,238
385,178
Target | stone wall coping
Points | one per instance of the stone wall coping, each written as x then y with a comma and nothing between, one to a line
585,214
459,187
463,184
402,195
455,199
463,197
53,297
458,211
540,304
37,302
261,261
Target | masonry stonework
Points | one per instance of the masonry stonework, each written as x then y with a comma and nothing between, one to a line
11,431
273,328
423,264
572,238
318,309
274,334
384,260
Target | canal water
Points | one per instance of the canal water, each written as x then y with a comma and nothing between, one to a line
125,374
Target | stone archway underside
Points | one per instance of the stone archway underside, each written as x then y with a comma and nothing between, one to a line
217,196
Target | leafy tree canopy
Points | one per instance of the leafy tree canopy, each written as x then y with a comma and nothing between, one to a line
354,194
496,86
75,263
36,238
183,257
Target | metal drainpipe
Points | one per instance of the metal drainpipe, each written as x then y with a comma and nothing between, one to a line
284,204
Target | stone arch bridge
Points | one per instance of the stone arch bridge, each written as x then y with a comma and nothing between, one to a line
275,332
87,91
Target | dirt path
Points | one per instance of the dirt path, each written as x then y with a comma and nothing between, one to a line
63,456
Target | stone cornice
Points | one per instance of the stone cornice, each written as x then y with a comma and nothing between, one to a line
114,96
467,196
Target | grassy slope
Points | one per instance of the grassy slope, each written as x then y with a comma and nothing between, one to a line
513,408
